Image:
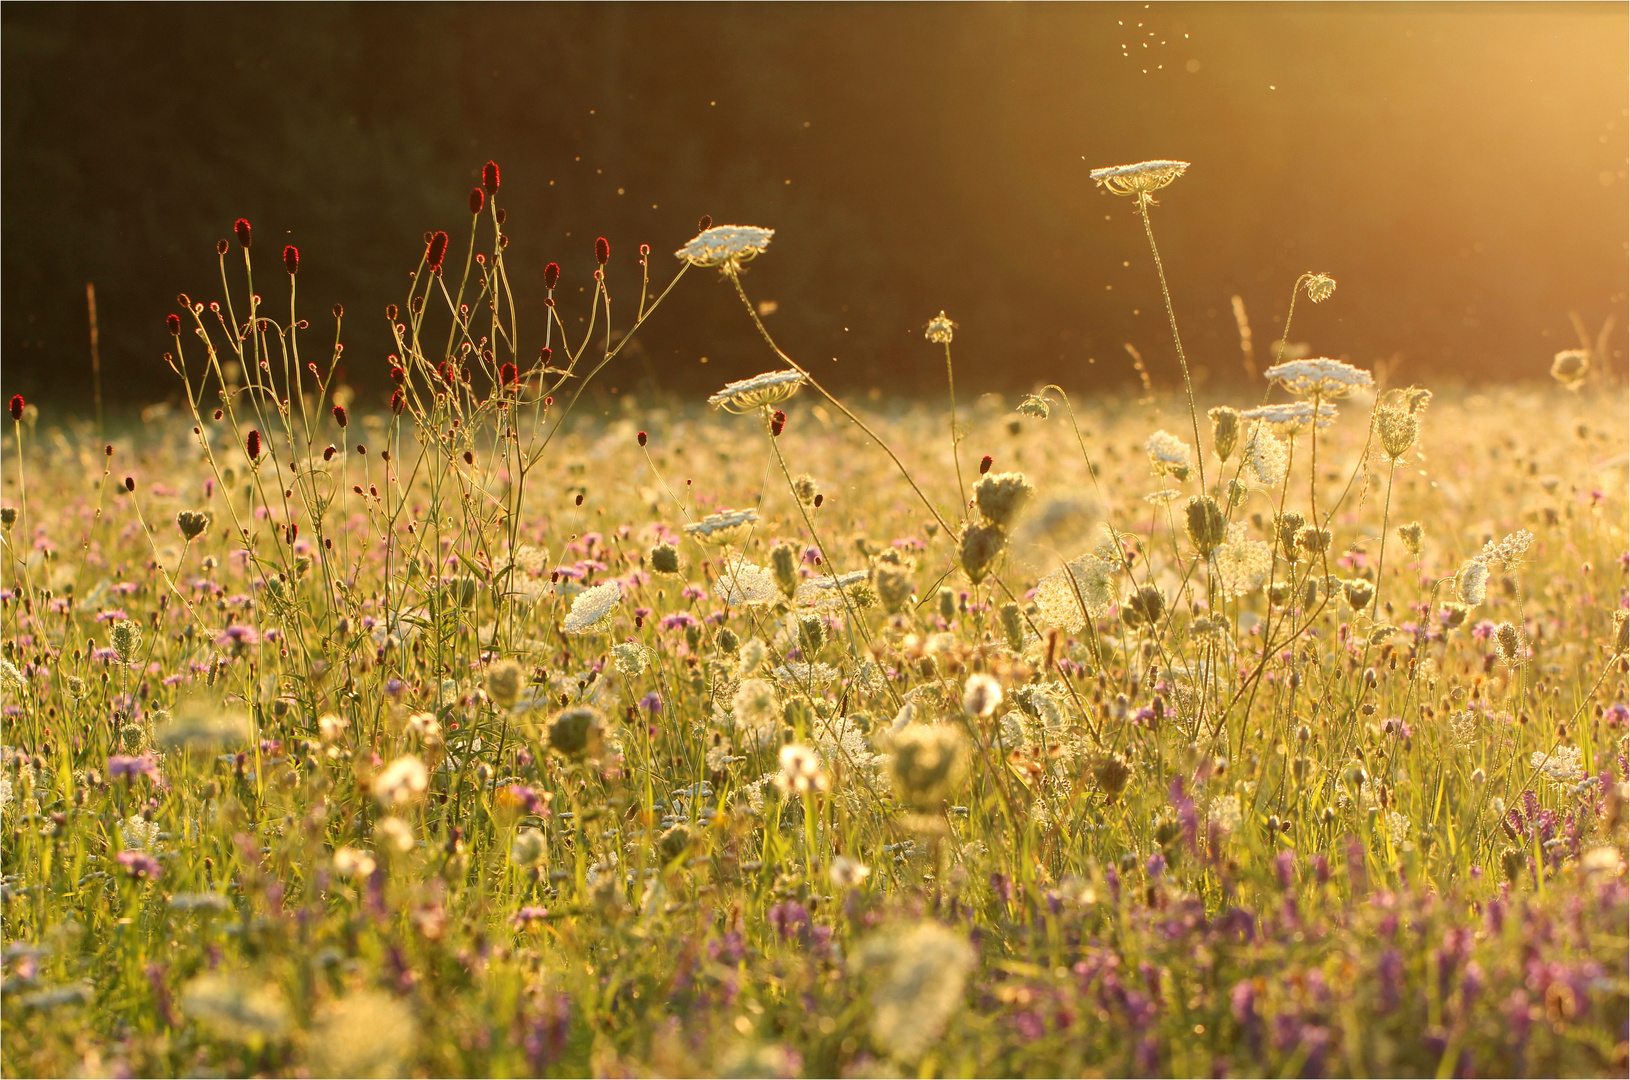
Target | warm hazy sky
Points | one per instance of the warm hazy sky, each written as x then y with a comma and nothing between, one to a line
1460,169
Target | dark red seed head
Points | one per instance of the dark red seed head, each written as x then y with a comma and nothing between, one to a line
551,275
602,250
241,227
985,463
545,354
435,251
489,177
644,438
339,416
339,311
130,483
398,402
252,445
17,406
501,215
397,374
173,324
291,258
222,247
328,455
508,375
478,199
705,224
108,449
777,422
645,251
820,497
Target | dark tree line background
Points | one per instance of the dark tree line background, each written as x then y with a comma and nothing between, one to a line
1459,169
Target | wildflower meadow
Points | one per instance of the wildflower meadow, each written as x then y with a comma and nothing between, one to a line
514,730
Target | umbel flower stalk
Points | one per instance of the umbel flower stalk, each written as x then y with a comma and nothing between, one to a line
1141,181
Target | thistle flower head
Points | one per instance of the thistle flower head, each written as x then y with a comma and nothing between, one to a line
940,329
723,528
1142,179
770,388
592,609
727,246
1321,377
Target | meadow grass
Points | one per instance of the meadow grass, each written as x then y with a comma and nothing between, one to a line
516,730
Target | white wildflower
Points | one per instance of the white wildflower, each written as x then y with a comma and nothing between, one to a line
1290,417
827,593
743,584
137,832
630,658
981,694
770,388
1169,455
1080,589
592,609
756,709
1320,377
353,864
1472,586
920,977
800,771
1265,455
726,245
723,528
1140,179
236,1008
1242,566
1509,550
939,329
368,1033
1564,765
847,873
1225,811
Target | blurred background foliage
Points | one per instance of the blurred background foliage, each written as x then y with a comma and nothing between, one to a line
1459,169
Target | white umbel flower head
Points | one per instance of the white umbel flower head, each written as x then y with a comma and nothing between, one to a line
1472,586
769,388
1085,582
1242,566
940,329
1141,179
827,593
920,973
726,245
1290,417
1265,455
1169,455
846,873
742,584
723,528
1320,377
592,609
1564,765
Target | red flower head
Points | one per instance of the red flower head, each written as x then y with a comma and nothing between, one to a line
397,373
241,227
985,463
777,422
435,251
545,354
398,401
252,445
16,406
602,250
551,276
291,259
173,324
705,224
644,438
489,177
508,376
478,199
339,416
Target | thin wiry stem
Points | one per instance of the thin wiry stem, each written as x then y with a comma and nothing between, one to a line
1171,314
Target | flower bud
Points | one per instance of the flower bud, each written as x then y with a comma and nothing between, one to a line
478,199
172,323
489,177
436,251
602,251
251,445
241,227
17,406
551,276
705,223
291,258
340,417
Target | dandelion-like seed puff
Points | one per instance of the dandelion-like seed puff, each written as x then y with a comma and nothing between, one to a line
1142,179
726,246
761,391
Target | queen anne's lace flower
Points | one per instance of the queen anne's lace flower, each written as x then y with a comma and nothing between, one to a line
1169,454
826,593
741,583
1265,455
939,329
1085,581
1140,179
1321,377
592,609
1242,566
1564,765
726,245
724,527
770,388
1290,417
